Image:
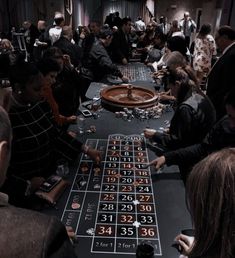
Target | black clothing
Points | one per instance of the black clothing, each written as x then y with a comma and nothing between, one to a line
74,51
220,136
120,46
192,120
221,80
31,34
67,91
98,64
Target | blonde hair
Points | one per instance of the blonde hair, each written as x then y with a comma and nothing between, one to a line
6,44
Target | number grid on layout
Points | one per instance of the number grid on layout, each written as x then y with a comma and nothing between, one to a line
119,211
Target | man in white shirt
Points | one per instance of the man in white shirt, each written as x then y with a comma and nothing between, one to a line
140,26
55,32
187,26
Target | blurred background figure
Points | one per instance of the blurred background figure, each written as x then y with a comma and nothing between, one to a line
187,26
204,51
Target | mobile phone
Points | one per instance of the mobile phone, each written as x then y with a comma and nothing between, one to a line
50,183
86,113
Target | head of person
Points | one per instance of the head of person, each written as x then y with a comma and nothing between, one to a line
59,19
175,26
181,80
177,43
114,29
5,45
49,69
67,32
95,27
162,19
106,36
26,81
56,54
224,37
159,39
230,108
210,192
26,24
149,27
186,15
41,25
175,59
126,25
205,29
117,14
5,144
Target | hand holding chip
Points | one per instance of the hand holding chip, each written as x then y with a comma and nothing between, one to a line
149,133
185,242
95,155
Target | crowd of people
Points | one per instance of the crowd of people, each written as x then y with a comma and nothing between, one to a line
49,81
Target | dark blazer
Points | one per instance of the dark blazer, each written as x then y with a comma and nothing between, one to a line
29,234
221,135
74,51
192,120
120,47
221,80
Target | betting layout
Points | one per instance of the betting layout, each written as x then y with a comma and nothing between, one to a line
136,72
113,204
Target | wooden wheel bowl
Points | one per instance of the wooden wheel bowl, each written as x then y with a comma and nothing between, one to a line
127,96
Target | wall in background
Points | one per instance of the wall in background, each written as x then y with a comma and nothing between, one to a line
14,12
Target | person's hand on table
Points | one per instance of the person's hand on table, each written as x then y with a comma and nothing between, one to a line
72,119
158,162
71,234
185,242
124,61
95,155
36,182
149,133
125,79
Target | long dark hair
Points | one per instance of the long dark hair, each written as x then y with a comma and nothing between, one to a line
188,81
210,192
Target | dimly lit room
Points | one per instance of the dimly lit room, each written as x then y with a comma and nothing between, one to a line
117,129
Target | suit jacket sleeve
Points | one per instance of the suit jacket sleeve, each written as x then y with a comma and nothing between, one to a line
57,243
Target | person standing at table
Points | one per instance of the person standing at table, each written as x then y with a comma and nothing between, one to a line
121,46
37,142
221,78
204,51
25,233
210,198
187,26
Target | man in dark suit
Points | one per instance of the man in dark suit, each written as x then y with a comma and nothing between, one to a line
120,46
25,233
67,47
221,78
